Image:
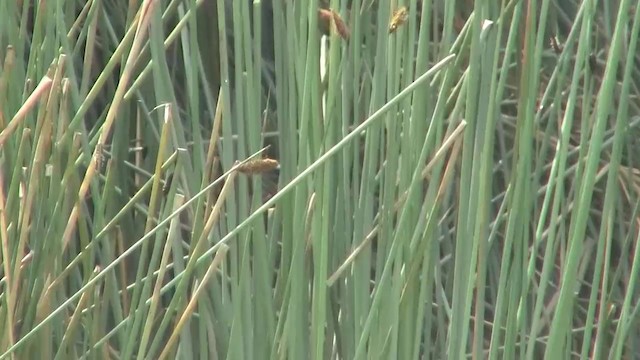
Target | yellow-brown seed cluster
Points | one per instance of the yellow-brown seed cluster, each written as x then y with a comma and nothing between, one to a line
258,166
398,18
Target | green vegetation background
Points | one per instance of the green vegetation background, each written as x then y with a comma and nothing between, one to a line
455,179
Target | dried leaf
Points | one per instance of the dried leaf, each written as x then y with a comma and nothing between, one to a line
328,16
341,27
324,21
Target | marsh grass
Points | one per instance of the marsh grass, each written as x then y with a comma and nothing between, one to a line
458,187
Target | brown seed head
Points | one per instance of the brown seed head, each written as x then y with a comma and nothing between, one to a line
398,18
258,166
